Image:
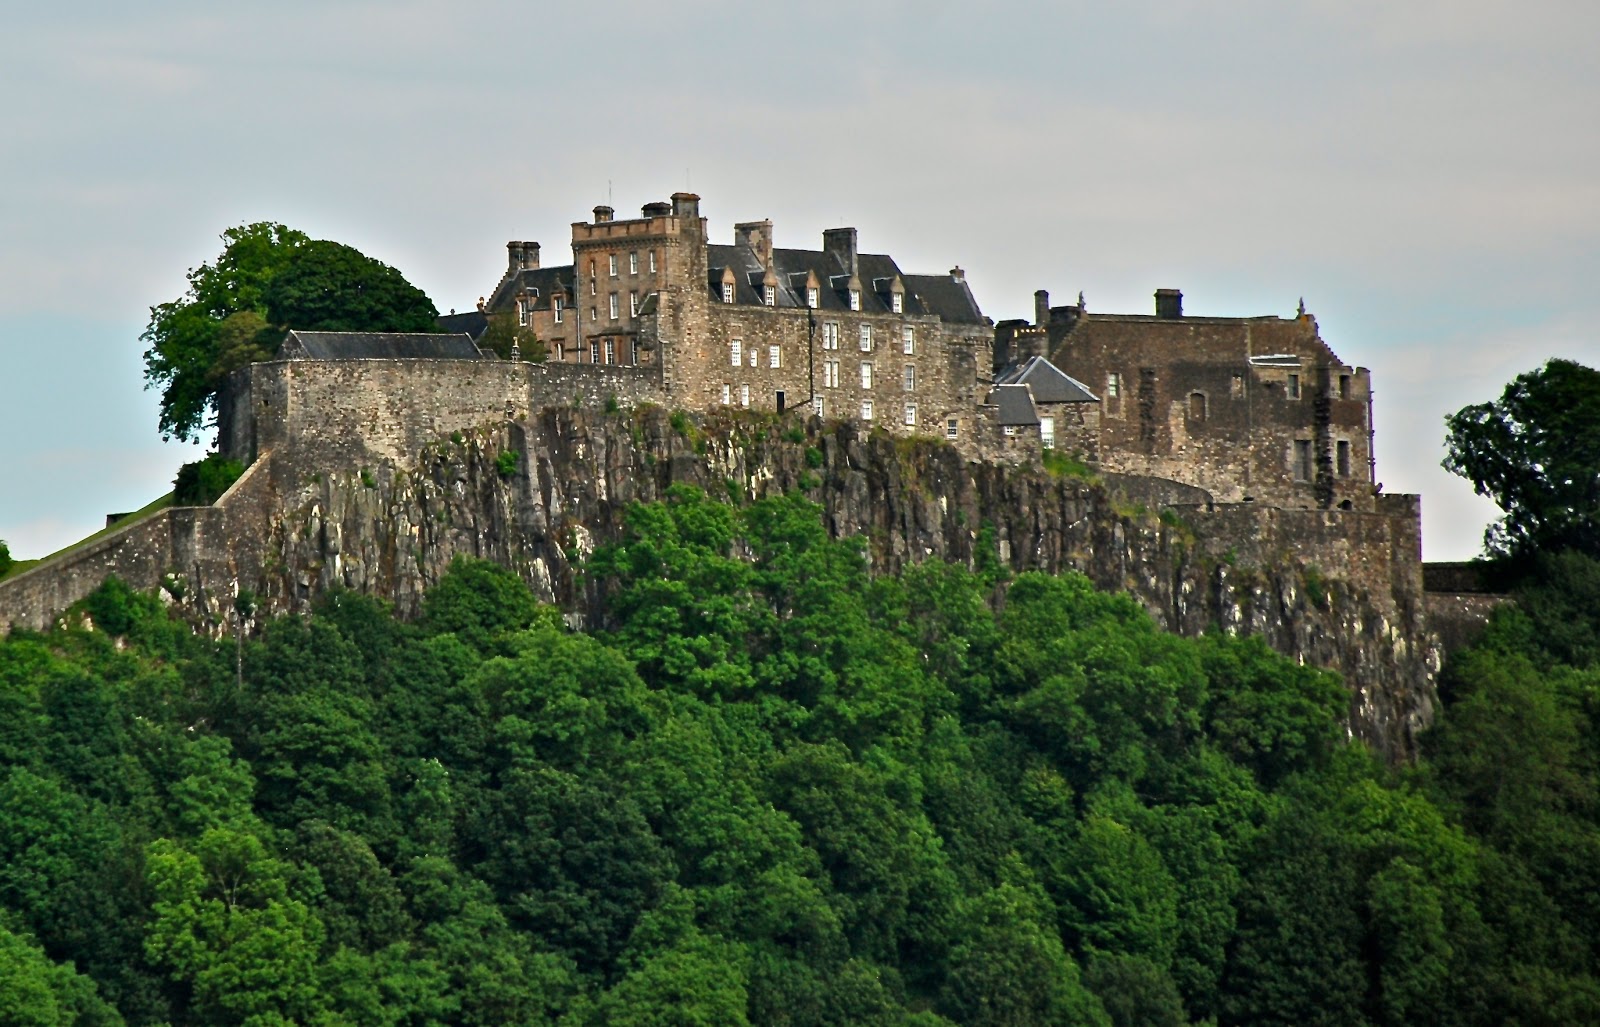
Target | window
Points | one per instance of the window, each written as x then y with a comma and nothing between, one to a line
1047,432
592,285
1113,385
744,395
594,351
612,262
753,356
951,427
1197,406
555,305
1236,387
612,305
855,303
1293,389
1011,430
633,304
727,393
652,261
727,292
866,376
1302,459
591,269
611,351
769,295
633,263
594,315
866,338
866,410
816,403
897,303
1343,457
911,414
909,378
830,374
830,335
774,356
811,299
736,352
908,340
1344,386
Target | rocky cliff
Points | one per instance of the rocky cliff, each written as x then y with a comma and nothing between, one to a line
1337,589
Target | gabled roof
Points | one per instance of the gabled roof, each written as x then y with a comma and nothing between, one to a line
1047,382
545,281
1016,405
377,346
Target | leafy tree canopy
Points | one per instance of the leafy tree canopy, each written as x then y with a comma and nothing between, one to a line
1536,452
233,314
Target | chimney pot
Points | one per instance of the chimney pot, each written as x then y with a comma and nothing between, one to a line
602,214
957,274
657,209
1041,307
1169,304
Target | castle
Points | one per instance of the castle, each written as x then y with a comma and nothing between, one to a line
915,422
1255,409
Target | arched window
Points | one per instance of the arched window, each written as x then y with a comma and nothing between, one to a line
1197,406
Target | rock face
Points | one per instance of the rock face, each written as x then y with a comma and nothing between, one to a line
1339,589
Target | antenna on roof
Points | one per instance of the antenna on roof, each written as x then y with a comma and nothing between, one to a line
608,192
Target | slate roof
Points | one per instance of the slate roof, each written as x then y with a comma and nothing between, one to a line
543,281
1016,405
474,323
378,346
1048,383
942,295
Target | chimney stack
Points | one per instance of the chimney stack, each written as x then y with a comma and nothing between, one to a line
1041,307
530,255
514,257
686,205
602,214
656,209
1169,304
841,242
958,275
758,236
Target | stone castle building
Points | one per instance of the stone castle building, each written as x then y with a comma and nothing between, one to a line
1255,409
750,324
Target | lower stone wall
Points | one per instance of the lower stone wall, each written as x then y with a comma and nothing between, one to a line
1335,589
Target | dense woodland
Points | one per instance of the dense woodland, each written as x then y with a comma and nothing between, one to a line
773,789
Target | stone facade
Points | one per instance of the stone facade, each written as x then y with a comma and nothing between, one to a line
752,325
1252,409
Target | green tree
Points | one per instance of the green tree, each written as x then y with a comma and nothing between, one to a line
5,558
330,287
186,337
1536,453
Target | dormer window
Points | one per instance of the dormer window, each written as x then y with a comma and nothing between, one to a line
811,298
769,295
897,303
555,307
855,299
727,292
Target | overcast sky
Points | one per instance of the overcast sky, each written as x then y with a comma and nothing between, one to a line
1426,173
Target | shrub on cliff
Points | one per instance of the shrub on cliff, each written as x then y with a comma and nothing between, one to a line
203,482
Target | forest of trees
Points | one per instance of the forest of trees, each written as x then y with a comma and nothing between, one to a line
772,789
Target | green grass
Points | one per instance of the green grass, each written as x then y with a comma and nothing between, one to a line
117,525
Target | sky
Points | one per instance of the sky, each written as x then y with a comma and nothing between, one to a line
1425,173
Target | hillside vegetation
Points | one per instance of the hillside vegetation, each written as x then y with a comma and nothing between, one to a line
773,790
